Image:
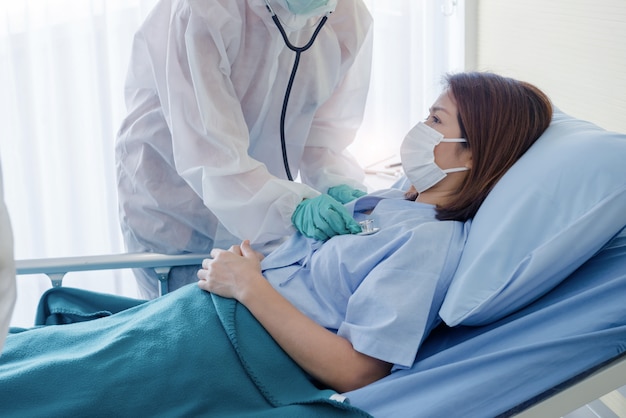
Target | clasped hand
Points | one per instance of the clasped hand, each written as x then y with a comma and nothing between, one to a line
229,273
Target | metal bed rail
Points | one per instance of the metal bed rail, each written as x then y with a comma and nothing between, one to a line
56,268
580,391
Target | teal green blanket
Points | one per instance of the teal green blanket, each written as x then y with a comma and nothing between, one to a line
189,353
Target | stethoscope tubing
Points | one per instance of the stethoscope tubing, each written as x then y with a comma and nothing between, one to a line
294,69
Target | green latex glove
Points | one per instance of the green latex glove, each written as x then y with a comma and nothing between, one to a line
344,193
323,217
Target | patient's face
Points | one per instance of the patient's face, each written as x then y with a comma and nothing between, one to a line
443,118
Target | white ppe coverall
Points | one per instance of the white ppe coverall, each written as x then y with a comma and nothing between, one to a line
7,268
198,155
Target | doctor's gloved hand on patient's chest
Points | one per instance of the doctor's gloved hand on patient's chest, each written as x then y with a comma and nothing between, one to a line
323,217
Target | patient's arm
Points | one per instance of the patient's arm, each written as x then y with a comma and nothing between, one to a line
326,356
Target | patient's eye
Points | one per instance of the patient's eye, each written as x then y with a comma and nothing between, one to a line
433,118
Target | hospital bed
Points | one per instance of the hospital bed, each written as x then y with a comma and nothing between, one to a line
535,319
527,397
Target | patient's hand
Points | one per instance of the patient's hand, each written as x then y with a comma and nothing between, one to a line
237,250
231,273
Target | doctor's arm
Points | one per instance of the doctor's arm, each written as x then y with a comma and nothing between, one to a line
210,138
329,358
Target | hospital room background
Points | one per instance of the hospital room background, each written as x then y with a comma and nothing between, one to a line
61,101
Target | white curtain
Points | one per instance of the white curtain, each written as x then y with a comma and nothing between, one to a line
61,85
415,43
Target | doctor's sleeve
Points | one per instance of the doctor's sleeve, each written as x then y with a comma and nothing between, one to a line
210,136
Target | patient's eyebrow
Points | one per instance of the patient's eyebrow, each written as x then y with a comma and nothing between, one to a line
436,108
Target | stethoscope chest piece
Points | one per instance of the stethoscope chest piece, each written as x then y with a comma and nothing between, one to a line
367,227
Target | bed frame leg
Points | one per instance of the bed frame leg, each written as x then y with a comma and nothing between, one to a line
56,279
163,273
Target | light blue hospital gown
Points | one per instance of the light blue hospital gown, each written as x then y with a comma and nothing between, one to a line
383,291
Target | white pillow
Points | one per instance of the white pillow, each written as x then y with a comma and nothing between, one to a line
557,206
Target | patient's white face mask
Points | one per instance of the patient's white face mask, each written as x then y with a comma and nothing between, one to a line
417,154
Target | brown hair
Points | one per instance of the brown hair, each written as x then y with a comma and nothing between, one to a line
501,118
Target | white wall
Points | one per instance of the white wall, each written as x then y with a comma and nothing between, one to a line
575,50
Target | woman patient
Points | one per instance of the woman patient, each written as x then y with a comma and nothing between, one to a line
350,310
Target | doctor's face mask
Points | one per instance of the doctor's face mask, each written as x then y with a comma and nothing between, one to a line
310,7
417,154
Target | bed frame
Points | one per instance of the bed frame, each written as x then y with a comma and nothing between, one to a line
576,392
557,402
57,268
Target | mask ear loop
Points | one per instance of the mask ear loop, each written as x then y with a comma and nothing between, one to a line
298,51
454,170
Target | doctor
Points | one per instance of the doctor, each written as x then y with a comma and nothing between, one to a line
228,101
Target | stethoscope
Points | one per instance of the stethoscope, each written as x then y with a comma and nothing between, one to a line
367,226
298,51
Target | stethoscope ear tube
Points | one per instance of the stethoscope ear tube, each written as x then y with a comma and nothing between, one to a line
298,51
